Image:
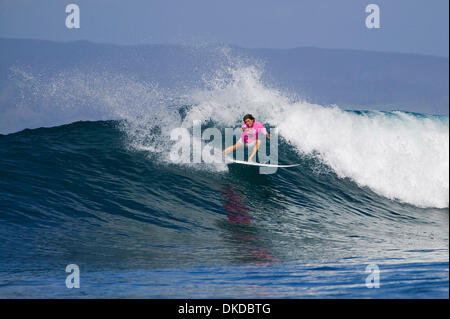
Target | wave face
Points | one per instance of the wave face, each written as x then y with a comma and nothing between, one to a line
80,194
371,186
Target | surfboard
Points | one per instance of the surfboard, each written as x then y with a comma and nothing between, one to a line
260,164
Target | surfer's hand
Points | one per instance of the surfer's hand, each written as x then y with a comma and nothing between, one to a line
268,135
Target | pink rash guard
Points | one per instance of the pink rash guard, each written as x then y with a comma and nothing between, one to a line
251,135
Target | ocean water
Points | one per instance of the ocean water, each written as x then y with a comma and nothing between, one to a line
372,188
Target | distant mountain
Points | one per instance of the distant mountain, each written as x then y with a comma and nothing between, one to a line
351,79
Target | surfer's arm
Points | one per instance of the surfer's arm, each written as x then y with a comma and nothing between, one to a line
264,131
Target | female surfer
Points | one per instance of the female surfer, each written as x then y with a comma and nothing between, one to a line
249,136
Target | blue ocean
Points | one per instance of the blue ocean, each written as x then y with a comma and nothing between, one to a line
364,215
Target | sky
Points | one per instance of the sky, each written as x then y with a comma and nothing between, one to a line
407,26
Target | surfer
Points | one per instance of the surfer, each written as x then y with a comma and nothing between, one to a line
249,136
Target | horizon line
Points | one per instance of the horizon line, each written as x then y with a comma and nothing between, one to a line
224,44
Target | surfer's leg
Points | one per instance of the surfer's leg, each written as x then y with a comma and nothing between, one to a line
232,148
255,149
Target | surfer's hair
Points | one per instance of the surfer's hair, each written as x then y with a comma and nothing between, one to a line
249,116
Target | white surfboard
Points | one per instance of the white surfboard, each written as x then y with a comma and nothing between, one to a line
259,164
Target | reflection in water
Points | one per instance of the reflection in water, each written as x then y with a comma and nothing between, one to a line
251,248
